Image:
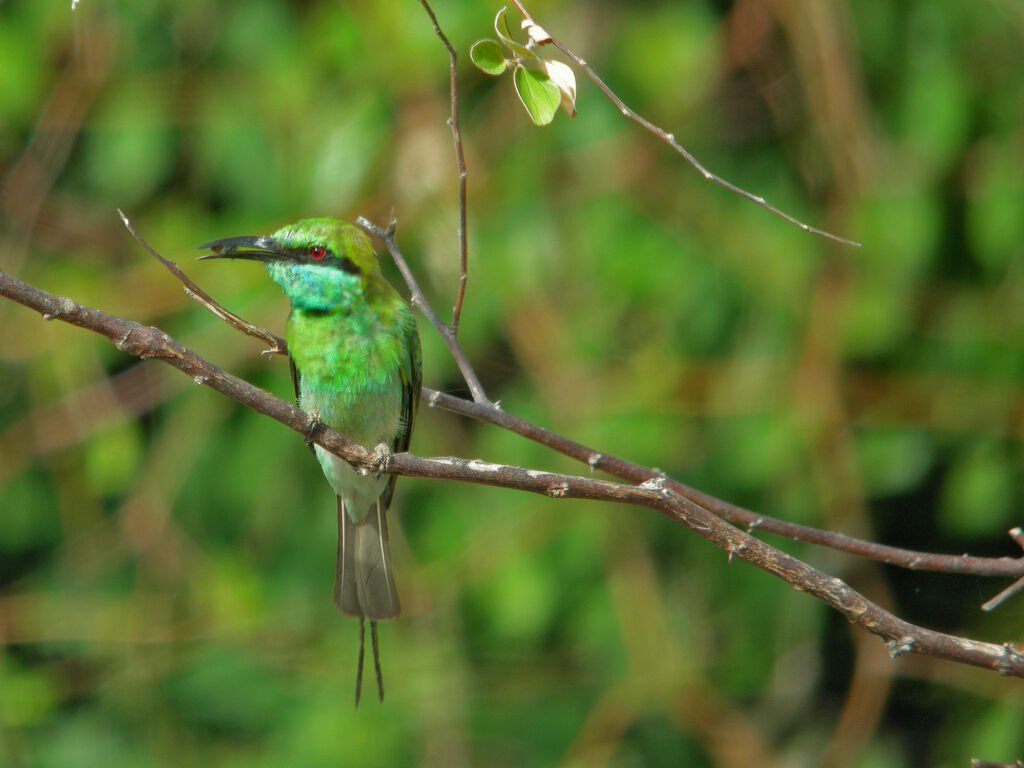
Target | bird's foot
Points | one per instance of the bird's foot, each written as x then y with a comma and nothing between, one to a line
379,460
312,426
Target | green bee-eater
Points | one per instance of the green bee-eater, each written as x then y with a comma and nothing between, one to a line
355,356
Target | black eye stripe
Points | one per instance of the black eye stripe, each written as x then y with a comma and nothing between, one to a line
347,265
329,259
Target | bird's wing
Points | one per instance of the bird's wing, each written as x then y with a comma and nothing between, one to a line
411,372
295,377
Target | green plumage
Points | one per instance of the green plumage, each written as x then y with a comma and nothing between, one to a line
356,358
356,351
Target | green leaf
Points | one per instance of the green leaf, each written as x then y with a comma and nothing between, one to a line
488,56
501,27
539,95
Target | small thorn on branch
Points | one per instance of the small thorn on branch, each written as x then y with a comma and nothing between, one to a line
735,549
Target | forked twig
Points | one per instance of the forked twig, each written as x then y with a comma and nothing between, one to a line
670,139
276,345
1018,586
387,236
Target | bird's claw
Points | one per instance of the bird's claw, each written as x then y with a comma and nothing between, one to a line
379,460
312,426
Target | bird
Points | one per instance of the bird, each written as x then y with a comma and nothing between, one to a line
356,366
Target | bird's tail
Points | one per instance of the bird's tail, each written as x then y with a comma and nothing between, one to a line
364,583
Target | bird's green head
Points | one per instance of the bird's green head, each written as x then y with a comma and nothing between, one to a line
321,264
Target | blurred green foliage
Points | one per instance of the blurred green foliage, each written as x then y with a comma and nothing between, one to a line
166,557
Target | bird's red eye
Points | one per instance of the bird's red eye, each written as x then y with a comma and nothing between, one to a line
317,252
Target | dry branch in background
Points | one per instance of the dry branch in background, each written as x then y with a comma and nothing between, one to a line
901,636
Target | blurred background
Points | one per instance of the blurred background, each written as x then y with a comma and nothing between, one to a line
166,556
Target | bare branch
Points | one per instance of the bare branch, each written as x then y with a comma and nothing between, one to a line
901,637
276,345
670,139
1018,586
627,470
147,342
490,413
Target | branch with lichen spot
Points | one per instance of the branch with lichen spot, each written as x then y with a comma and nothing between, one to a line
901,637
490,413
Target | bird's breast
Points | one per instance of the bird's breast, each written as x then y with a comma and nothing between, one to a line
348,373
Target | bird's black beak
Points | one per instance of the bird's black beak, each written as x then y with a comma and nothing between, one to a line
259,248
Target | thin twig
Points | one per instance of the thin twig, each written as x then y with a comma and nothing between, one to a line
275,343
1018,586
387,236
670,139
460,159
901,637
